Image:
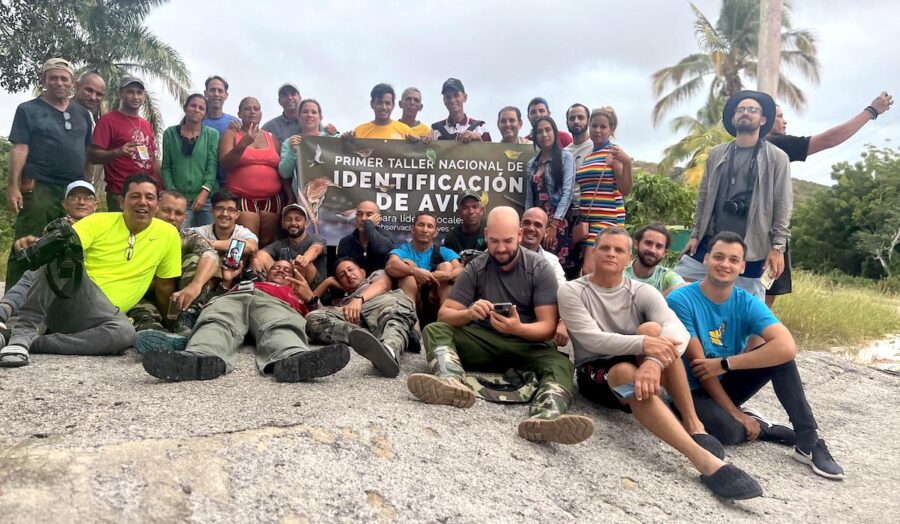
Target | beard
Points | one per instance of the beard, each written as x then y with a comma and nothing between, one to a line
745,126
506,257
647,259
576,130
295,232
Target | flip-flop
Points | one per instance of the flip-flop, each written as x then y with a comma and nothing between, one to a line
13,356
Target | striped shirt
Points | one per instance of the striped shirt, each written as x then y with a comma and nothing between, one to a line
601,202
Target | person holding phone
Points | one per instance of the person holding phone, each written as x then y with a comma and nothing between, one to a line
627,344
473,329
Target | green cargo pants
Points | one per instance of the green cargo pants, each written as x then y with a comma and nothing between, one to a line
389,317
40,207
146,311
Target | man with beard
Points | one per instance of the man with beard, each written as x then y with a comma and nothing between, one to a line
89,92
365,314
501,314
123,253
509,122
651,244
271,311
746,189
468,236
577,121
305,251
367,245
539,107
225,227
534,225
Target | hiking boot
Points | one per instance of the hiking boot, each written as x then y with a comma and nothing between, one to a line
564,429
710,443
820,460
381,356
184,324
150,340
732,483
311,364
449,391
142,320
414,345
176,366
777,432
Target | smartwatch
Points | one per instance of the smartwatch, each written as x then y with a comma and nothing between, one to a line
724,363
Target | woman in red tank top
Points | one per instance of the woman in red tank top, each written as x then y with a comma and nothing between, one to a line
250,159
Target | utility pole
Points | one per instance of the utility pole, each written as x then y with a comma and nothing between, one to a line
769,63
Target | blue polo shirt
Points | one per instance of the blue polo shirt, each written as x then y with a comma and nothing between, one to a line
422,259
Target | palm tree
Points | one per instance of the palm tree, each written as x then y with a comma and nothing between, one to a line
728,55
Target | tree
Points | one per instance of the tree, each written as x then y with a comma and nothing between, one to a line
106,36
728,55
659,198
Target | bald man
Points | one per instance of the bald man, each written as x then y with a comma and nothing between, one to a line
89,92
502,314
367,245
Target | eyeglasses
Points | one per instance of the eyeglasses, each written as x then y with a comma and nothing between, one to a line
129,251
751,110
220,209
81,198
67,117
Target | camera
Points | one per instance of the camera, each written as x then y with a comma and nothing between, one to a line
737,207
59,243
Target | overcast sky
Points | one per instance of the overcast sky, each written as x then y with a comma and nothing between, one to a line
597,52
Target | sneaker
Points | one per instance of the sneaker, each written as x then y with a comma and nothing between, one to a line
449,391
732,483
184,324
311,364
777,432
14,356
564,429
176,366
819,458
5,332
381,356
151,340
710,443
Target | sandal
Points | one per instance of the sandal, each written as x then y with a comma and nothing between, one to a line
13,356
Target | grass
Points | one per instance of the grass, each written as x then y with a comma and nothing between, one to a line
822,314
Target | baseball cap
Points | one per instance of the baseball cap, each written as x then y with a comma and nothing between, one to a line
469,194
80,183
58,63
287,87
128,80
452,84
294,207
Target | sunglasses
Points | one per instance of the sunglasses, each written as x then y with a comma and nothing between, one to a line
129,251
67,117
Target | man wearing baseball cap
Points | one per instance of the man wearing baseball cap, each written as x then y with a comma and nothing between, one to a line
458,126
469,234
123,141
306,251
50,136
746,190
286,124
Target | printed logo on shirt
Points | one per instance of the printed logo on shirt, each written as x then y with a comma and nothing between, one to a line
716,335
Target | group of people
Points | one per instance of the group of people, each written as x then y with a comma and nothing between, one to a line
505,292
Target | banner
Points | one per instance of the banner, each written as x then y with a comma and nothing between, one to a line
336,174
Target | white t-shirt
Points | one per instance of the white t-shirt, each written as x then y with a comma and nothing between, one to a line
239,232
579,153
554,263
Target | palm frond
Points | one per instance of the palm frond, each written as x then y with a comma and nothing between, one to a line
679,94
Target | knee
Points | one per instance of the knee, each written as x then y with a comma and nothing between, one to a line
652,329
621,373
435,330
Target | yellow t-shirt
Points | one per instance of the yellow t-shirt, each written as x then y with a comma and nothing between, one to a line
104,239
421,129
396,130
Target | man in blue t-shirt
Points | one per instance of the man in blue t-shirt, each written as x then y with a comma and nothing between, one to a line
425,275
216,93
737,346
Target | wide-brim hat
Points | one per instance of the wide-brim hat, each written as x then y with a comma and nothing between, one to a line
765,101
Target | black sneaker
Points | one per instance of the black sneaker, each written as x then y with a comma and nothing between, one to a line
732,483
176,366
184,324
381,356
311,364
777,432
414,344
819,458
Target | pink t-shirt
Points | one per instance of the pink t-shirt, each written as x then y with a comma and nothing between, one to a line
256,175
115,129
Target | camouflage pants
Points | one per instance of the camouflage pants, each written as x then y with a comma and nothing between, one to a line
147,311
41,206
279,330
451,350
389,317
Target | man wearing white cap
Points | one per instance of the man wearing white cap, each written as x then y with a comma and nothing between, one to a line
50,135
80,201
123,141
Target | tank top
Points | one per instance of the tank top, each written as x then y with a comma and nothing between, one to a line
256,174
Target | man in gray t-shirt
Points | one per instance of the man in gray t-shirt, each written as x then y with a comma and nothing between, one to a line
306,251
502,314
625,336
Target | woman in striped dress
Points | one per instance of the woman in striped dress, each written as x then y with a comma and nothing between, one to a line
604,179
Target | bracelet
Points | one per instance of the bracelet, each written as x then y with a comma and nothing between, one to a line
656,361
872,112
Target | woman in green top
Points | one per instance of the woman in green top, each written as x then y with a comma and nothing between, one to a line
190,159
310,117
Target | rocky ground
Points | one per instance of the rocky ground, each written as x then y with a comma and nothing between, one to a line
96,439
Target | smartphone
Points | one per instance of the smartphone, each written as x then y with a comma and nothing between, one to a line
234,254
503,308
766,280
624,391
174,310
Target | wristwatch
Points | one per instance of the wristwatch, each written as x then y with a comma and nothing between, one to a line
724,363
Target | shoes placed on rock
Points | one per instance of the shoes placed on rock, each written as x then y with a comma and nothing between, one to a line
149,340
14,356
311,364
777,432
732,483
564,429
449,391
177,366
710,443
820,460
381,356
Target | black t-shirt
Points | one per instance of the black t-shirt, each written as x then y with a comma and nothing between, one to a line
56,155
284,250
459,241
796,147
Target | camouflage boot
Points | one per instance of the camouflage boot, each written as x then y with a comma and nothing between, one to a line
145,316
548,421
445,385
184,324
